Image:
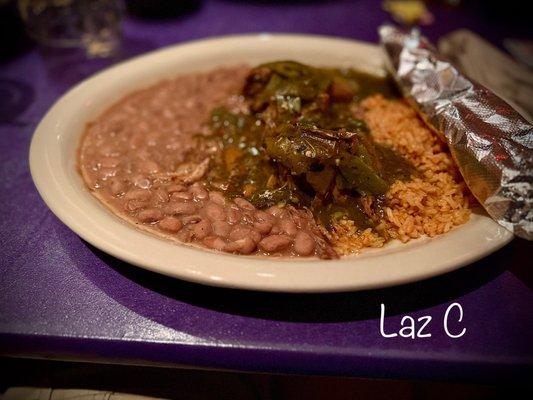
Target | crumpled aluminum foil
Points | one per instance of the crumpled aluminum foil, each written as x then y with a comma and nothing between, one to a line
491,142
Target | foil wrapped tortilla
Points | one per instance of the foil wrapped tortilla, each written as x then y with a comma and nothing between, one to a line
491,143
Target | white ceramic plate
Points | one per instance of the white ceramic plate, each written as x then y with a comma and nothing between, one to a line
53,167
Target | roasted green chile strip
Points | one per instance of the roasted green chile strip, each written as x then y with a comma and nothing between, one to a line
303,144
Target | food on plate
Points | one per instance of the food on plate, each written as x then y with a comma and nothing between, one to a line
280,159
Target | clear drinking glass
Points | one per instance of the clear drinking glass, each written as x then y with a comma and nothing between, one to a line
94,25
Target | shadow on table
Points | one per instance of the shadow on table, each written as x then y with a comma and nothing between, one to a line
163,9
331,307
15,98
281,2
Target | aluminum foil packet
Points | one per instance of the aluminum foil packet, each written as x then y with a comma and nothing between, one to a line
491,143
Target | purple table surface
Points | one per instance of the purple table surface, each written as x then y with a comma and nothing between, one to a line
61,298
